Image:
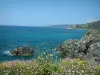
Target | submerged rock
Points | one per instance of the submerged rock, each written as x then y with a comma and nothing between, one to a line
22,51
87,47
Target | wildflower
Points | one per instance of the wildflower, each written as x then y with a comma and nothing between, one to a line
35,60
38,57
62,73
41,69
82,71
47,57
44,53
51,54
60,59
97,68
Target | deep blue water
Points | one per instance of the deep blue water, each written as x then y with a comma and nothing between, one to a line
14,36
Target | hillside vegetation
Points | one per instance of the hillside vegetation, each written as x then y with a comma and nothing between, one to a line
48,67
92,25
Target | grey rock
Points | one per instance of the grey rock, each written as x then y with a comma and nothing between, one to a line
87,47
22,51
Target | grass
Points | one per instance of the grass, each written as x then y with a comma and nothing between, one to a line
46,66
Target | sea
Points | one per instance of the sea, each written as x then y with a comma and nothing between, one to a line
45,38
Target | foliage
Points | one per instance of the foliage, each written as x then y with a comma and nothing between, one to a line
46,66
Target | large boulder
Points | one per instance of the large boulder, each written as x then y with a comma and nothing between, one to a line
67,48
22,51
87,47
94,51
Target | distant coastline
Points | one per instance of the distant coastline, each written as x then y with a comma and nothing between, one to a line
76,29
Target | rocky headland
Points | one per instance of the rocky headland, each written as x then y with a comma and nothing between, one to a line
88,47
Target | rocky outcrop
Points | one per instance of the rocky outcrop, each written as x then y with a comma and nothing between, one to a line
22,51
87,47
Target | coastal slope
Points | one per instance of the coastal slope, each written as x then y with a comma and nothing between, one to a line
87,47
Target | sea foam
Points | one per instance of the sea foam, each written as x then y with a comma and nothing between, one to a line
7,53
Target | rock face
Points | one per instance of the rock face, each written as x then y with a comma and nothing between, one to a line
87,47
22,51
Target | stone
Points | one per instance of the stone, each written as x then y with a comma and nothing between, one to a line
87,47
22,51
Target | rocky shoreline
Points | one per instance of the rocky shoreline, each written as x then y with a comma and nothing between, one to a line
88,47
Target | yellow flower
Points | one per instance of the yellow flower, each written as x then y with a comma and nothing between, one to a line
79,62
44,53
97,68
35,60
82,71
51,54
41,69
38,56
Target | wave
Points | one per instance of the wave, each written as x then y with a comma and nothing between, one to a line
54,49
7,53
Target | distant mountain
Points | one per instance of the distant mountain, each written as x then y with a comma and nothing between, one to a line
92,25
95,24
79,26
60,26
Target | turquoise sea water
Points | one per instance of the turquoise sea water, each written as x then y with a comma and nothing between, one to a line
14,36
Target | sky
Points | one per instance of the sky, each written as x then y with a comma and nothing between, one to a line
48,12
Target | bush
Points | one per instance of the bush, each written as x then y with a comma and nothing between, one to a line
43,66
